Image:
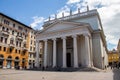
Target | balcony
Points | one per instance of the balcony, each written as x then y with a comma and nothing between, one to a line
11,45
25,49
5,33
19,37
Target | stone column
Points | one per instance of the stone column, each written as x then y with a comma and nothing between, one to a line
75,51
87,48
64,52
91,52
45,53
37,54
54,53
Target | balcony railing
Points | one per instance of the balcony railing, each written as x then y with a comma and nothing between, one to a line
25,48
78,15
19,37
5,32
12,45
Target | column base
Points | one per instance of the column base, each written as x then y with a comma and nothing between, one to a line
20,67
4,67
88,66
12,67
53,66
76,67
64,67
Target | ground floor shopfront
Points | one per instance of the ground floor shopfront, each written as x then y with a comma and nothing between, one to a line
9,63
13,59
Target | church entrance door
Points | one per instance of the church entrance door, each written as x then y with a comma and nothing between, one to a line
68,59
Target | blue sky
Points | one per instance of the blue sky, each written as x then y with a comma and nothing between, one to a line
24,10
35,12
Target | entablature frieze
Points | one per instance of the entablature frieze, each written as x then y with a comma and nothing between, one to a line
60,34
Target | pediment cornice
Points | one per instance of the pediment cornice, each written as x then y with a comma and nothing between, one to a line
64,22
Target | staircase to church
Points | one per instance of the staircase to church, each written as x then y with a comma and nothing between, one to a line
69,69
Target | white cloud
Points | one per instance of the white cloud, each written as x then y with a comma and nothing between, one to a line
72,1
110,16
37,23
109,13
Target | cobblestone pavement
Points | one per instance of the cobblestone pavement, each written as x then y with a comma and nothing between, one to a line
45,75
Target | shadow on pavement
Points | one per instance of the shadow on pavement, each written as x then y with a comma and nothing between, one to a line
116,74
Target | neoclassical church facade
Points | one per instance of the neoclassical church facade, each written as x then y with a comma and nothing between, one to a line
75,41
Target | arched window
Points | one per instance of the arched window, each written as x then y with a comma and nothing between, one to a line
1,56
9,57
16,58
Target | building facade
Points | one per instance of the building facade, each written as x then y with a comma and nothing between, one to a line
32,54
73,41
113,57
15,38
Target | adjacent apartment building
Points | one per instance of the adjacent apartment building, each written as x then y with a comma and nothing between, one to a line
17,43
113,57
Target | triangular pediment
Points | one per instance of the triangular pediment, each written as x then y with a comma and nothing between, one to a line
61,25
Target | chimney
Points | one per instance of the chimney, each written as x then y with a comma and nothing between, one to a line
87,8
70,12
55,16
49,18
63,14
78,10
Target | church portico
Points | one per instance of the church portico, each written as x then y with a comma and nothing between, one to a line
63,52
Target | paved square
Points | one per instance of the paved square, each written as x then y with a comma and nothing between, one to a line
45,75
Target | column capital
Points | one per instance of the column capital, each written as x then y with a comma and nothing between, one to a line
74,36
85,34
54,39
64,37
45,40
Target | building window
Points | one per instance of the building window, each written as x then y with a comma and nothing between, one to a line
6,40
40,56
20,44
34,48
17,33
13,25
16,43
31,48
0,48
11,41
1,40
16,51
26,30
7,29
3,28
20,28
6,22
10,50
31,42
4,49
19,51
12,32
